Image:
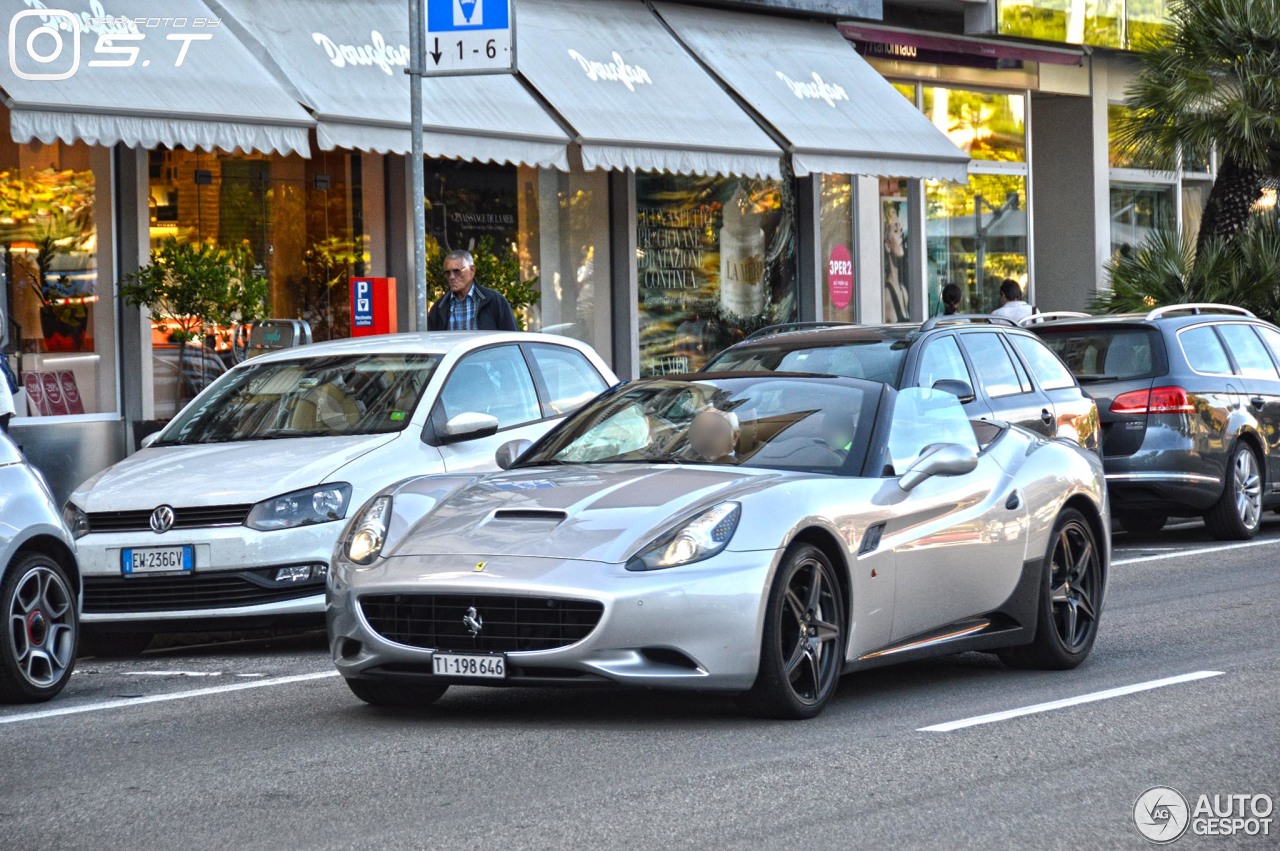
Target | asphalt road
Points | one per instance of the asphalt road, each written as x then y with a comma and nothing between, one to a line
258,745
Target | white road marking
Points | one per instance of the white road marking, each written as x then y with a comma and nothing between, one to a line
1064,703
172,673
1195,552
160,698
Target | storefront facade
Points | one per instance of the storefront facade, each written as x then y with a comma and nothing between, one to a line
653,234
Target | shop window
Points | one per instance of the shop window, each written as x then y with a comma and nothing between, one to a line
1138,211
977,238
985,125
296,216
57,305
839,297
1101,23
570,250
716,260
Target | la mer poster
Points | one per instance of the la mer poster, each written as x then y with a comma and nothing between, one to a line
715,260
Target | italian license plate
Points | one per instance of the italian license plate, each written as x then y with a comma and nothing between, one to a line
469,665
135,560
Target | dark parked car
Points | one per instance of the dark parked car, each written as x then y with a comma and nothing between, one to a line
999,371
1189,397
39,585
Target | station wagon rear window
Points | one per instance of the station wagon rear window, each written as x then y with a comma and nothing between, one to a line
1103,353
874,360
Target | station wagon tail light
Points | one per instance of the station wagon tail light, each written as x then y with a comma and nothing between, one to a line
1158,400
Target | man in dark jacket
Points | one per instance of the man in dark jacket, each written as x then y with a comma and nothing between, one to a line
467,306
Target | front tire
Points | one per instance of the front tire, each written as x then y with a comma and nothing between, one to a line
379,693
1237,514
802,649
38,643
1070,599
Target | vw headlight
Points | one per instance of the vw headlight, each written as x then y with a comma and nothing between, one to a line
369,532
700,538
77,521
321,504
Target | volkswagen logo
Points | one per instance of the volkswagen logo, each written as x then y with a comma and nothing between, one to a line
473,622
162,519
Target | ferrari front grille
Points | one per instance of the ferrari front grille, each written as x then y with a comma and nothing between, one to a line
480,622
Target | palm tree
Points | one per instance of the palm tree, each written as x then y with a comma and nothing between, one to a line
1212,83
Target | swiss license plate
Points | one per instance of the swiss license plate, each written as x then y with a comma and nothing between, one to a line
135,560
469,665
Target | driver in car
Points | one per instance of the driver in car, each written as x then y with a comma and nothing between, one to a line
713,436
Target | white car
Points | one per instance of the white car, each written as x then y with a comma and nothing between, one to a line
229,516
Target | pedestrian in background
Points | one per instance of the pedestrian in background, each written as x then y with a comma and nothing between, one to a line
467,306
1011,304
951,296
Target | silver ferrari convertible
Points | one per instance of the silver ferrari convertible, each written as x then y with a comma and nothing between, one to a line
759,534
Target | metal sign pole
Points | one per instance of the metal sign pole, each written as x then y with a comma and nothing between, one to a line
417,65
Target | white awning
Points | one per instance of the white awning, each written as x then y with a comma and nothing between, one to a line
181,80
635,97
346,64
837,113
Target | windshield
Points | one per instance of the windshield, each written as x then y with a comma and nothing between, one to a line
1103,354
806,424
874,360
315,397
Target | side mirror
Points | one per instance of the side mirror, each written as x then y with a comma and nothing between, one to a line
942,459
960,389
149,439
509,453
469,426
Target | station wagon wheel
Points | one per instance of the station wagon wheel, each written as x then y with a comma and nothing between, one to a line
1238,512
802,648
1070,601
39,639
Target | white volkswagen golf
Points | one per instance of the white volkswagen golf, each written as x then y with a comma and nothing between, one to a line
228,517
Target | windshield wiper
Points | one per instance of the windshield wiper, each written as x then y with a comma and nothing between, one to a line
1089,379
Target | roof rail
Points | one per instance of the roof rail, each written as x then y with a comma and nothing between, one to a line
784,327
966,319
1037,318
1197,308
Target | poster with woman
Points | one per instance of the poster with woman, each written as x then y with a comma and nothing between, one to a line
893,225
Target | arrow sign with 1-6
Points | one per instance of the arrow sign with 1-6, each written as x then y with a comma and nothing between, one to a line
470,37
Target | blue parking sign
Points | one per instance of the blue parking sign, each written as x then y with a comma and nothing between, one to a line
362,304
464,15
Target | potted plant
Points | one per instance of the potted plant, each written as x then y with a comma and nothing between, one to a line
193,289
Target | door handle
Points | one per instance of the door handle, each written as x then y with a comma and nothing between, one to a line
1257,401
1046,417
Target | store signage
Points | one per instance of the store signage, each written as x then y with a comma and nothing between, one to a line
373,306
629,75
840,277
815,89
388,57
470,37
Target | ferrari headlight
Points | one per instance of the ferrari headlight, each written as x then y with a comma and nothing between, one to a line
321,504
700,538
77,521
369,532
